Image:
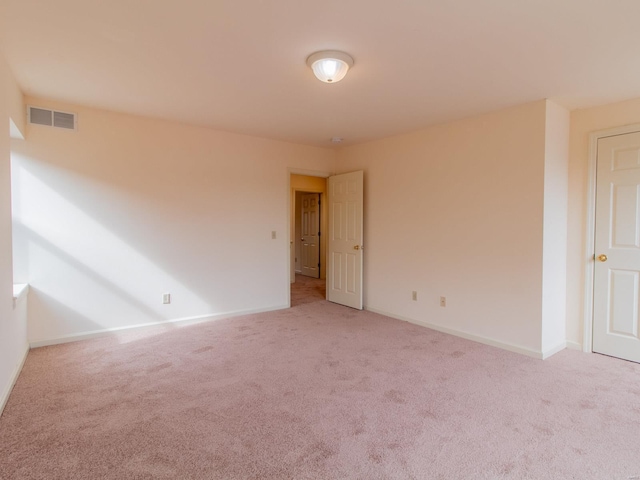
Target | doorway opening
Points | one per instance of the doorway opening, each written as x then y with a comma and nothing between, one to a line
343,241
307,290
308,226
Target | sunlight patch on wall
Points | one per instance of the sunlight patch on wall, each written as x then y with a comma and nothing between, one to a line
118,285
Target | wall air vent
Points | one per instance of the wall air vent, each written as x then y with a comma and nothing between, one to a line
52,118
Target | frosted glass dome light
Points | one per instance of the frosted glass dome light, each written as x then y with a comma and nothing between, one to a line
330,66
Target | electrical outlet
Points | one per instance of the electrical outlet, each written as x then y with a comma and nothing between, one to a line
443,301
414,296
273,235
166,298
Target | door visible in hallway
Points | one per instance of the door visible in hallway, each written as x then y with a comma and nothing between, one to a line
344,259
616,296
310,235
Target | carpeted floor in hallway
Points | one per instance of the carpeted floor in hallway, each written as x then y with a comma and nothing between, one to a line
307,290
318,391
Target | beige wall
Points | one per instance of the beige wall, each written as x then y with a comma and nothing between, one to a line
13,339
584,122
305,183
128,208
15,104
112,216
457,211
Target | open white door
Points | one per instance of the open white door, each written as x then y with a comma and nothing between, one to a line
344,256
616,295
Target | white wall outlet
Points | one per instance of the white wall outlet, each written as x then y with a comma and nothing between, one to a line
443,301
166,298
273,235
414,296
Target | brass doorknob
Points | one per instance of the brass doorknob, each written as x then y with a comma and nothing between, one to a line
357,247
602,258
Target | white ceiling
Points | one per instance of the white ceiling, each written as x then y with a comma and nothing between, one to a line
239,65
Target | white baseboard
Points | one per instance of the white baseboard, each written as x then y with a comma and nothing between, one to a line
12,381
574,346
469,336
74,337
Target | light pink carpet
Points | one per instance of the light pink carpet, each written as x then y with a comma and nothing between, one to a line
317,392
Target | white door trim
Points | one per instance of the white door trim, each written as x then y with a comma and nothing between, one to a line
587,340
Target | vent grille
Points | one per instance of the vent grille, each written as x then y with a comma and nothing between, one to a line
64,120
52,118
39,116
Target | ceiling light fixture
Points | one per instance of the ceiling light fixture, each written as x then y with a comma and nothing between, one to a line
330,66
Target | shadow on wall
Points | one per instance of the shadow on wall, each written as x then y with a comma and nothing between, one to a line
205,230
69,269
83,276
59,317
108,238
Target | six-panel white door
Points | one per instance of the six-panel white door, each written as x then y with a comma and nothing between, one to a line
310,239
344,273
616,320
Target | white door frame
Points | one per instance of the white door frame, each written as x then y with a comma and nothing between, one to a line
308,173
587,340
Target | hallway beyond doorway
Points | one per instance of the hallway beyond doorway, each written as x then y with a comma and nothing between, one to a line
307,290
